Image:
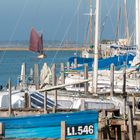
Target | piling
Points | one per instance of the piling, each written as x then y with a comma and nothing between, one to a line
63,130
45,103
62,74
134,105
75,63
23,74
36,75
124,100
10,100
54,79
86,77
29,101
131,132
111,79
26,100
2,132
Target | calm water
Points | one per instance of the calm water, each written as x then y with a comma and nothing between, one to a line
10,62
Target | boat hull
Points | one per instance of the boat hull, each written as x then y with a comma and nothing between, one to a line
49,126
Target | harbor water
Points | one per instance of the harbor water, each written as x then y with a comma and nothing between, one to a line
11,61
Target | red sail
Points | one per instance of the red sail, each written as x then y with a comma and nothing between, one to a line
36,42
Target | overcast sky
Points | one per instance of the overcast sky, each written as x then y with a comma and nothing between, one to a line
62,20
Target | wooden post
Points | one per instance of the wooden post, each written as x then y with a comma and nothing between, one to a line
23,75
2,131
45,103
29,101
62,74
133,104
10,98
54,84
75,63
63,130
111,79
36,75
131,132
82,105
26,100
86,77
124,100
68,65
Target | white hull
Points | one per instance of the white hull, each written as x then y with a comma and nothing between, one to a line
41,56
103,85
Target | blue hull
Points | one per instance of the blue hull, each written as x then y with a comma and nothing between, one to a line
118,62
49,126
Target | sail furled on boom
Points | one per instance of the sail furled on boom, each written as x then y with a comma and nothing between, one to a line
36,41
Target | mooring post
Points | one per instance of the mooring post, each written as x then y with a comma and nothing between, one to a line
62,74
36,75
63,130
68,65
133,104
124,100
131,132
86,77
29,101
10,98
2,131
75,63
23,75
54,79
111,79
45,103
26,102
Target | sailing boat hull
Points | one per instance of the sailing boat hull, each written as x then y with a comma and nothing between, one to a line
49,126
41,56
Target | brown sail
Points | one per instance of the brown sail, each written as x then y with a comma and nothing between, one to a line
36,42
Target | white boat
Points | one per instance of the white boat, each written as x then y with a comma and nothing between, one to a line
101,77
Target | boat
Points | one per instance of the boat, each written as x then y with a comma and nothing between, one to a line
123,58
36,43
77,125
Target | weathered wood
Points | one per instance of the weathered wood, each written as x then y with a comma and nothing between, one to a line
63,130
111,79
29,101
75,63
26,99
82,108
36,75
68,65
62,74
2,131
10,100
23,75
45,103
54,83
86,77
130,117
134,105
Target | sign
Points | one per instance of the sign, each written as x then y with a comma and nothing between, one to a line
80,130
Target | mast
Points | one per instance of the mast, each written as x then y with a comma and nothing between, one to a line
118,22
96,45
126,23
90,23
137,7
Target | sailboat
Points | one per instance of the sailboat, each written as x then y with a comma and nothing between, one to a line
101,66
36,43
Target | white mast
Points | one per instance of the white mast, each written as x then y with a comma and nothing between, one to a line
91,22
137,4
96,46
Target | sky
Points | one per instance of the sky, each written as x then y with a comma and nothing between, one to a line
59,20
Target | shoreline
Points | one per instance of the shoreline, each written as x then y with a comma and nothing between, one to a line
46,49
